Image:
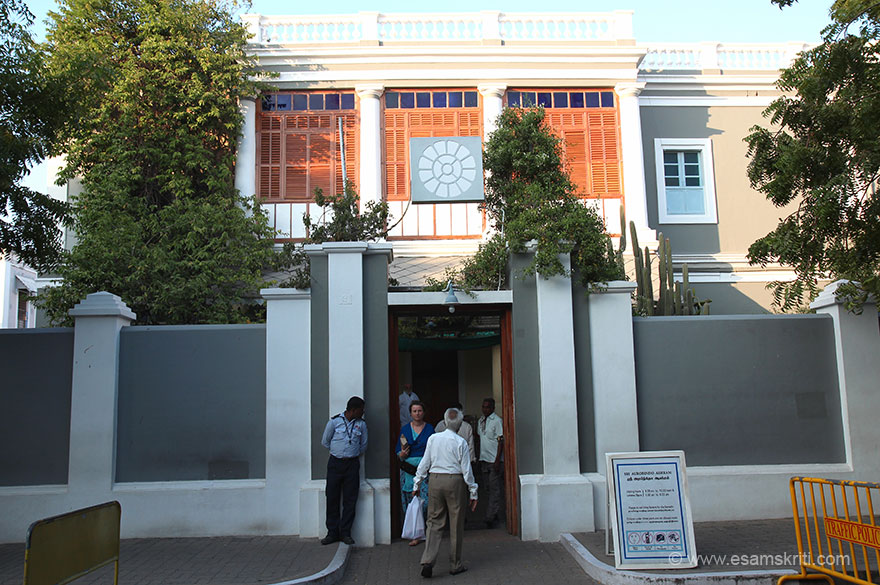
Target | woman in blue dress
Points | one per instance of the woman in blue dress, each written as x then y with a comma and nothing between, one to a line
411,448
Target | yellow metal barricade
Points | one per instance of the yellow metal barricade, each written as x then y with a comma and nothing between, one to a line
61,548
837,529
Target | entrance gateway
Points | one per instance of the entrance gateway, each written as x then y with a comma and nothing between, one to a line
461,356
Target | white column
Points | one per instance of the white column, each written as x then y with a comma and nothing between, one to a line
558,384
246,160
634,193
371,143
542,515
493,94
288,410
99,320
857,344
614,374
345,270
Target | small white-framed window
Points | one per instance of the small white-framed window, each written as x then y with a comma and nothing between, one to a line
685,180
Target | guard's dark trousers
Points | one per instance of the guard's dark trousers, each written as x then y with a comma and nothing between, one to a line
343,480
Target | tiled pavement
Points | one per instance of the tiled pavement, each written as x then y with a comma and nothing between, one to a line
492,556
247,560
757,544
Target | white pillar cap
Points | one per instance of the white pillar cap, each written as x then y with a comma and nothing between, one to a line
102,304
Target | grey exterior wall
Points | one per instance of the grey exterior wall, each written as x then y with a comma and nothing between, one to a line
191,403
583,364
742,298
744,215
37,366
739,390
320,348
526,376
376,364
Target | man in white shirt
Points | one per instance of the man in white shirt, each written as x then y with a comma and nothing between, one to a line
447,459
491,436
404,400
466,431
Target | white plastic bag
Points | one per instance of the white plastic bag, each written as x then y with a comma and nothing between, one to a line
413,523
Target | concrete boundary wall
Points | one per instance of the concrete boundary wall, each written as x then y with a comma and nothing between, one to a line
739,389
191,403
556,494
35,411
176,508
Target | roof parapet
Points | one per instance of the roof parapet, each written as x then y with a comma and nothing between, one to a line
487,27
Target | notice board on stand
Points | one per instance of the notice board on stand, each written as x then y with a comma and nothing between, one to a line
650,510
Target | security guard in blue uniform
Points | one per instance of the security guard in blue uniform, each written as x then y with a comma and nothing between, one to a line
346,437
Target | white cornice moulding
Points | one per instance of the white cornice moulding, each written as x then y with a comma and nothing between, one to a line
416,51
707,101
464,78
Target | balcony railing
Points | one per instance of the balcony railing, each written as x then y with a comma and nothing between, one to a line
698,56
486,26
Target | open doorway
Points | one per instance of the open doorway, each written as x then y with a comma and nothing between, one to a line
464,358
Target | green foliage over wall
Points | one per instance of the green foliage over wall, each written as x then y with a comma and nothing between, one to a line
530,197
155,88
341,221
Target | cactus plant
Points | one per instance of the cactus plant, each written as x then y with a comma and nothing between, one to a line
674,298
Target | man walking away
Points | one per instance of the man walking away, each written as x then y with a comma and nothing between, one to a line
346,437
491,441
447,459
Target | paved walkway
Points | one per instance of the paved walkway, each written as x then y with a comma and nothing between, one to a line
492,557
248,560
727,546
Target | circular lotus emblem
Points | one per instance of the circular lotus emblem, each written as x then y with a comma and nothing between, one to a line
447,169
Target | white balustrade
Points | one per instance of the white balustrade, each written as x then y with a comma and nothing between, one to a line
476,26
720,56
344,28
430,27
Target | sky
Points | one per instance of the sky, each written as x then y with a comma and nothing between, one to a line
744,21
654,21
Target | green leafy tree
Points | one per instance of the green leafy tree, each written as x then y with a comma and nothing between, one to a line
159,221
530,197
31,113
821,153
342,221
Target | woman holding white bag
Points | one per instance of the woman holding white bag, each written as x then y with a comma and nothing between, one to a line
410,449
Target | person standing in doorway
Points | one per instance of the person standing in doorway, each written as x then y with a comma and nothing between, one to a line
404,400
491,435
466,431
448,462
346,437
410,448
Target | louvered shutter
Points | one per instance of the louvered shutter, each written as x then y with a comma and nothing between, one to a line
269,175
299,151
604,153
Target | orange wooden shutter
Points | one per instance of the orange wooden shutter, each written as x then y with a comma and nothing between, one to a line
591,143
299,151
604,157
269,175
